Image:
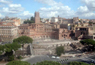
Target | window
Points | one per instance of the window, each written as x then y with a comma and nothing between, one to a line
82,28
82,33
64,35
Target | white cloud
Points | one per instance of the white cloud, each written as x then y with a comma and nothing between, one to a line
1,5
82,10
55,9
86,11
26,14
63,11
10,9
50,2
5,2
14,5
90,4
89,15
13,9
1,16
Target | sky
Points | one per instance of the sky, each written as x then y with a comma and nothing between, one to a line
84,9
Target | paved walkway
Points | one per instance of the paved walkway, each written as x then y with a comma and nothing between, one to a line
3,63
21,60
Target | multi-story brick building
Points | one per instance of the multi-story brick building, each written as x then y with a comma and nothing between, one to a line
54,19
16,21
84,33
36,31
93,31
63,29
40,30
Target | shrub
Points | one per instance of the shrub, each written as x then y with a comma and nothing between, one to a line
19,57
18,63
11,58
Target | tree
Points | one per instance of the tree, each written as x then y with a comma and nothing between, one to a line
59,50
56,63
8,49
18,63
1,49
23,40
32,20
89,43
47,63
90,23
78,63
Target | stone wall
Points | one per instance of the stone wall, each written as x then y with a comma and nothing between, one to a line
49,48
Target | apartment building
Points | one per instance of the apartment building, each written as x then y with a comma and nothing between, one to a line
8,32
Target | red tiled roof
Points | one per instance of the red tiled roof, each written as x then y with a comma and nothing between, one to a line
6,24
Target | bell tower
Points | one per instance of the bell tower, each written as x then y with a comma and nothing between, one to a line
37,17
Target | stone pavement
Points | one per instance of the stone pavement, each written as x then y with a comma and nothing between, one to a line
28,58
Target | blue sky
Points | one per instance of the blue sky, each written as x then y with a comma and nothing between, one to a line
48,8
